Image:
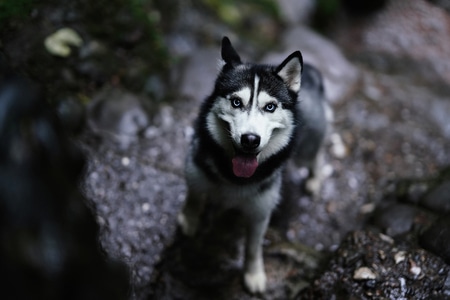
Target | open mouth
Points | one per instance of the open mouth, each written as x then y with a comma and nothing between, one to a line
244,164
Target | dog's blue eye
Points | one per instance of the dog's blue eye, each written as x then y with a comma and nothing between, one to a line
236,102
270,107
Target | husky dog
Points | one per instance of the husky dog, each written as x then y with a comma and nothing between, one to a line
245,132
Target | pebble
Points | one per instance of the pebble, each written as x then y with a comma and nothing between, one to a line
403,287
60,41
367,208
415,269
125,161
395,219
399,257
386,238
145,207
100,221
364,273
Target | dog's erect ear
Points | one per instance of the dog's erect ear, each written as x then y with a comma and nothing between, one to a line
290,70
229,55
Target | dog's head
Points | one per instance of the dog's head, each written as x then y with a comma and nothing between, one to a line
253,115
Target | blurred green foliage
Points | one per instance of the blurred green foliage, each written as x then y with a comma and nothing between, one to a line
14,8
325,14
234,12
149,13
328,7
257,21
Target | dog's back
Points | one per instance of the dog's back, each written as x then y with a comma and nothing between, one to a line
313,109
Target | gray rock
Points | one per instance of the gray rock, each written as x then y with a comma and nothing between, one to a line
436,238
137,206
117,114
340,76
413,29
364,273
442,3
296,11
200,72
395,219
438,199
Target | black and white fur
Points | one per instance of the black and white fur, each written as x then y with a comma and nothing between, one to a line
245,132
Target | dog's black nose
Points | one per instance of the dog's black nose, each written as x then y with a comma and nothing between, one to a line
250,141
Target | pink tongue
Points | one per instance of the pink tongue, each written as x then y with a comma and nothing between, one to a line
244,165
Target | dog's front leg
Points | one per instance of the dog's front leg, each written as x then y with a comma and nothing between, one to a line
255,276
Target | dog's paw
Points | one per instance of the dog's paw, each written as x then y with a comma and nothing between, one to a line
188,227
338,148
255,282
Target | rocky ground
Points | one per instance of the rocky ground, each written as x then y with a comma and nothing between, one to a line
379,228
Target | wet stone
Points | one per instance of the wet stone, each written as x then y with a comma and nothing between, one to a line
438,199
447,285
399,257
395,219
364,273
117,114
420,275
340,75
436,238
